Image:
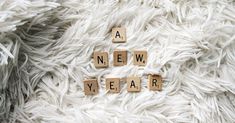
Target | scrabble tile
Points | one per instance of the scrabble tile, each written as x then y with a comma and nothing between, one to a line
140,58
120,58
119,35
101,59
133,84
155,82
113,85
91,87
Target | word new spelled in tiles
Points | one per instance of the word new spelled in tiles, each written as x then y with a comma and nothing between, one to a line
113,85
119,58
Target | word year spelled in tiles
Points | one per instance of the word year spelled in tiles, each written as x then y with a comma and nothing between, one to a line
113,85
91,87
101,59
155,82
119,35
120,57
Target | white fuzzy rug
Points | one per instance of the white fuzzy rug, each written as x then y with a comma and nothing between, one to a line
46,49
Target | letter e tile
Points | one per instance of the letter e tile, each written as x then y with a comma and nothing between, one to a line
119,57
113,85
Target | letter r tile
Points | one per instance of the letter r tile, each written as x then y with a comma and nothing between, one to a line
155,82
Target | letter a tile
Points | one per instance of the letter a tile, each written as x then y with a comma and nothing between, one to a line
133,84
113,85
91,87
155,82
140,58
119,35
101,59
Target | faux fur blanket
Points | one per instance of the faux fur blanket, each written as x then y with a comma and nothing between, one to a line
46,52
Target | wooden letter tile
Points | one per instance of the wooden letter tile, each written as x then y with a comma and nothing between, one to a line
101,59
155,82
113,85
140,58
119,35
120,58
91,87
133,84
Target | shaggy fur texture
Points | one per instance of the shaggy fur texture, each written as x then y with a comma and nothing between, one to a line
46,49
